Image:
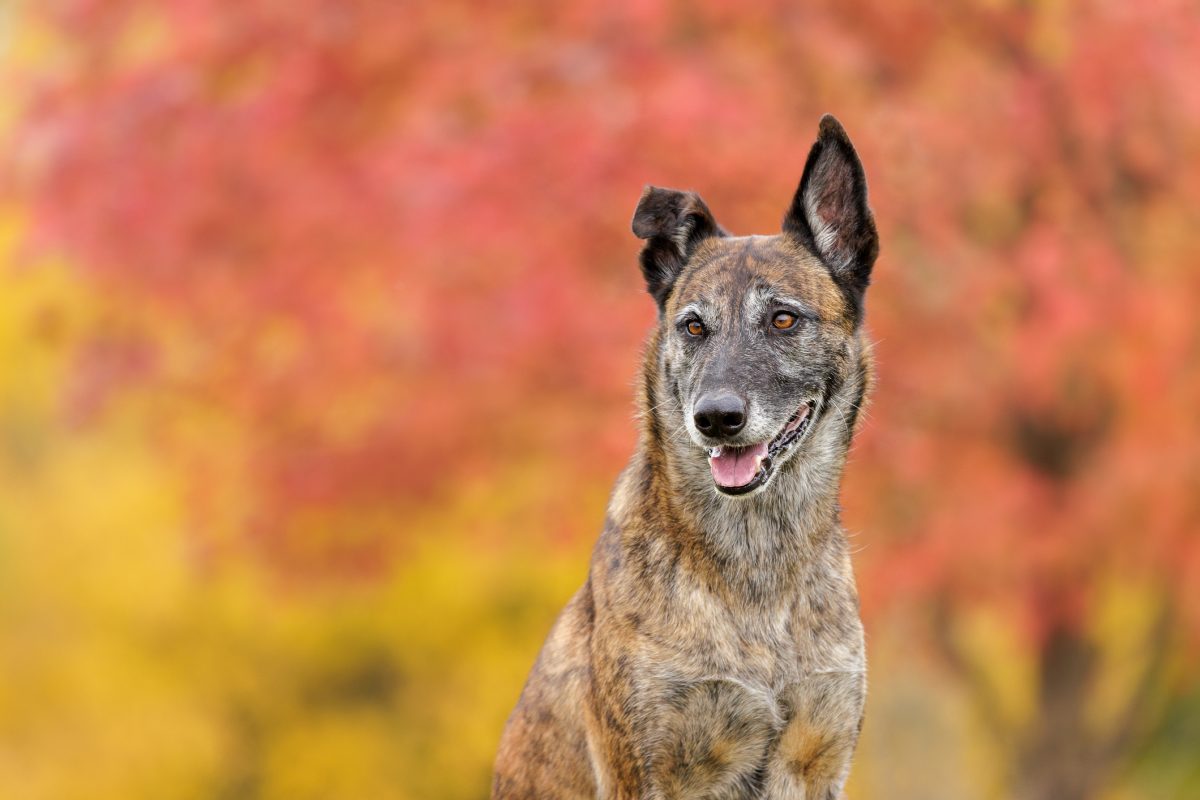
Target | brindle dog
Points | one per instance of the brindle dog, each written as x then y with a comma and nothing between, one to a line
715,650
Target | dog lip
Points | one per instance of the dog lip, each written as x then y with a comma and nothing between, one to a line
793,429
759,478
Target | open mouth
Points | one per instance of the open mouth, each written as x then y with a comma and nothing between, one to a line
739,470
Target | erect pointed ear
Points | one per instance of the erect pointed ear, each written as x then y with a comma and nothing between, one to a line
673,223
829,213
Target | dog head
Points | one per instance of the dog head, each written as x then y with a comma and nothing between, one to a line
759,342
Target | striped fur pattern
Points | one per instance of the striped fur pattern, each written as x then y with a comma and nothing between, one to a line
715,650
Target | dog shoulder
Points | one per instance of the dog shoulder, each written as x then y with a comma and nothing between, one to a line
544,749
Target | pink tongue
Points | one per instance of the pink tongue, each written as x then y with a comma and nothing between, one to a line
736,466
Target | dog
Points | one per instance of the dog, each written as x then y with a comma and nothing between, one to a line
715,650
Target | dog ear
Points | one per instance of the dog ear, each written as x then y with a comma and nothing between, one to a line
829,213
673,223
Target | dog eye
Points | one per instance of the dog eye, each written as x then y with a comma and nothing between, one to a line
695,327
783,320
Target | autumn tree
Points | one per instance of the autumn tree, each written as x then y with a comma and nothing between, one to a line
386,245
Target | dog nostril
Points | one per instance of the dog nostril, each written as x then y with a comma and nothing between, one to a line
732,420
704,422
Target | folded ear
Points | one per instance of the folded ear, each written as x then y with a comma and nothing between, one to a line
673,223
829,213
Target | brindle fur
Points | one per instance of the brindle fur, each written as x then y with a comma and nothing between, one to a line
715,650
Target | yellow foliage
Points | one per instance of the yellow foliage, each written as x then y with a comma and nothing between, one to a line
143,670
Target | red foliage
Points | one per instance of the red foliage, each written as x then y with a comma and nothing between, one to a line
414,217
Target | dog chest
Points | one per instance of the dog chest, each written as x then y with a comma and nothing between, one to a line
730,705
726,738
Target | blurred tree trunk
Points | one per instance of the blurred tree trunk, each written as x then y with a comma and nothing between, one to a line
1056,760
1060,754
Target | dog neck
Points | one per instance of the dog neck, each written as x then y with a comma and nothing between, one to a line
767,543
756,549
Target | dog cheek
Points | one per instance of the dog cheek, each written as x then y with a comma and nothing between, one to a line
794,366
688,379
673,374
821,357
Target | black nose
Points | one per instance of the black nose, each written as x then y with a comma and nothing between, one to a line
720,413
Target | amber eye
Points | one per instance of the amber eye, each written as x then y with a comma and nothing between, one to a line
695,327
784,320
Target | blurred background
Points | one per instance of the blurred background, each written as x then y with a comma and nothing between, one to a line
319,322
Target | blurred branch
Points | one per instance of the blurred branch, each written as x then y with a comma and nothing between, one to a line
1133,715
982,692
1006,34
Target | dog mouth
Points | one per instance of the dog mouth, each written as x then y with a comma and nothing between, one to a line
740,470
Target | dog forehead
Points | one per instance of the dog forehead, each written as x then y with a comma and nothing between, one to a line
724,271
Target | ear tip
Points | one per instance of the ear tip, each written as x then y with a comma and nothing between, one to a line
657,207
657,194
643,222
830,128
